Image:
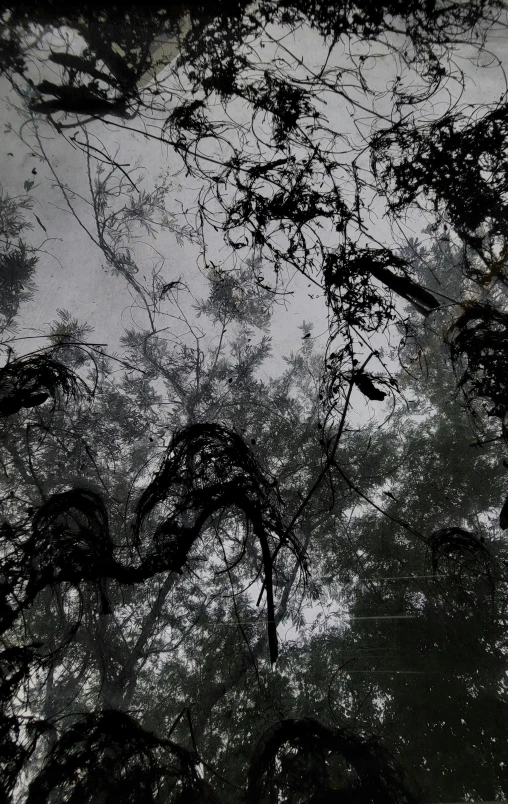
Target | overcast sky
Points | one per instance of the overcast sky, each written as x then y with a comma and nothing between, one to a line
72,274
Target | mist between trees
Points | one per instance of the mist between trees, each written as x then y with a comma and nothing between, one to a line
253,469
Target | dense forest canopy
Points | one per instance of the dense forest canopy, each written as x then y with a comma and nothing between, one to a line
232,571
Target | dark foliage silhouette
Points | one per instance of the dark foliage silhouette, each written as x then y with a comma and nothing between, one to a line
197,790
89,89
459,552
69,542
348,275
367,387
30,381
303,760
480,337
426,24
107,756
76,100
209,469
462,166
16,749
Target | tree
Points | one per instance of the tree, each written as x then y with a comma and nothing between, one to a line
17,261
93,443
163,522
423,656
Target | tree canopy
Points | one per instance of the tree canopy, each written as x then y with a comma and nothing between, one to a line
231,571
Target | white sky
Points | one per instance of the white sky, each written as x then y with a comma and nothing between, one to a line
71,271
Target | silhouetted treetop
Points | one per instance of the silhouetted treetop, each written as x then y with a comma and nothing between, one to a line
460,551
479,348
107,754
303,760
208,469
27,382
71,535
